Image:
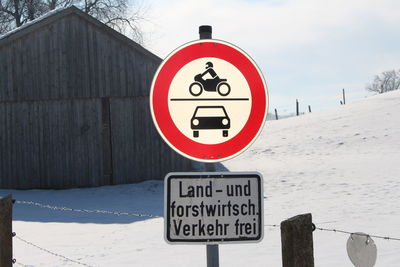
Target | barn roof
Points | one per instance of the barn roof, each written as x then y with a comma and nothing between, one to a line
60,13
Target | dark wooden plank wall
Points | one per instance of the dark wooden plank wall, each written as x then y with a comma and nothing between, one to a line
80,143
74,109
51,144
34,67
149,158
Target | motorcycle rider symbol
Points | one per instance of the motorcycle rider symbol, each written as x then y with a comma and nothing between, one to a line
213,84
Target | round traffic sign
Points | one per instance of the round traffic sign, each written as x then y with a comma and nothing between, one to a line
208,100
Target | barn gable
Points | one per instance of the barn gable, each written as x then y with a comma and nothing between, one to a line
74,107
69,54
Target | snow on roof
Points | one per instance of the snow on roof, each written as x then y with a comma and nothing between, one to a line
30,23
76,10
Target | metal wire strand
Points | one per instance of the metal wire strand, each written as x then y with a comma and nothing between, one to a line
84,210
154,216
50,252
343,232
360,234
272,225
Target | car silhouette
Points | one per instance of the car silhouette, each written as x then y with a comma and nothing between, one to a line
210,118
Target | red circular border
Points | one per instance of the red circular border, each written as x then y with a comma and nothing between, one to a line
162,117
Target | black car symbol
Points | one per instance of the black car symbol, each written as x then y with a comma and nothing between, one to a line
210,118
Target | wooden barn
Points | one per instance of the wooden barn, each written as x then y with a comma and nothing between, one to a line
74,107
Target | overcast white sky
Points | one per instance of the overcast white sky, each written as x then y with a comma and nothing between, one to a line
306,49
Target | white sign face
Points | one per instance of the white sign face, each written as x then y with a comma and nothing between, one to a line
213,208
207,104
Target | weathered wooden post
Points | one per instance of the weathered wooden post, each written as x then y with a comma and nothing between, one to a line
205,32
344,97
309,108
6,257
297,107
276,114
297,241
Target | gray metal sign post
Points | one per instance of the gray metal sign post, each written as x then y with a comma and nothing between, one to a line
205,32
212,250
212,207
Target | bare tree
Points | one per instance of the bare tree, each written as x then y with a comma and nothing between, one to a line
6,21
11,11
114,13
384,82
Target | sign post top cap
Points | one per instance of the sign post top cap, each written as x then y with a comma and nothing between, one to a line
205,29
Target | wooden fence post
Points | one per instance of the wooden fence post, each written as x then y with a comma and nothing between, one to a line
6,257
297,107
276,114
297,241
344,97
309,108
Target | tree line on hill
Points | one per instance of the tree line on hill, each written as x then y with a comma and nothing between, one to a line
385,82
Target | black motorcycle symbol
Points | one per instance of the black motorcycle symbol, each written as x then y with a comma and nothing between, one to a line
210,85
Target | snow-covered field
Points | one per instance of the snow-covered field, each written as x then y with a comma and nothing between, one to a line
342,165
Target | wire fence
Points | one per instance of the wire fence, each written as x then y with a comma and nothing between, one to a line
343,232
304,105
360,234
61,208
118,213
50,252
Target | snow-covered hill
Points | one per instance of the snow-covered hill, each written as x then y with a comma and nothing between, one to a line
342,165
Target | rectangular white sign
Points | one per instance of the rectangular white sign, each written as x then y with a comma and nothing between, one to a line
215,207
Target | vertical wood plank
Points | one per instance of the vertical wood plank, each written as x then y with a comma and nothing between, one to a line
107,143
